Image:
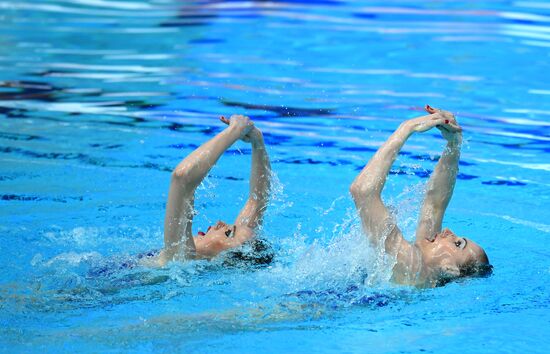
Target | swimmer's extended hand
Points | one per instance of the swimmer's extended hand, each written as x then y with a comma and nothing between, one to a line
444,120
241,123
252,135
251,215
452,132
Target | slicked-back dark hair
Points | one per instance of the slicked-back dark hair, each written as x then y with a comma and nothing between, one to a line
472,270
254,253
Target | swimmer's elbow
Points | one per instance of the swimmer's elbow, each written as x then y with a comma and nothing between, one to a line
179,173
181,176
362,190
355,189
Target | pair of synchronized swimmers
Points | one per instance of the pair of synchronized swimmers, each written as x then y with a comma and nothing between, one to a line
437,256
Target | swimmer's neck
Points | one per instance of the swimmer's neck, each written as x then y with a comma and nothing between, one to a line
412,269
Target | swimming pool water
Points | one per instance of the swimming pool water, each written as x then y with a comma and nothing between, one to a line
99,100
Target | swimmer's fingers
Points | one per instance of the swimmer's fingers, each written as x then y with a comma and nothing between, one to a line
447,124
246,138
451,132
447,121
426,123
454,127
430,109
224,120
442,120
439,121
253,135
446,114
449,128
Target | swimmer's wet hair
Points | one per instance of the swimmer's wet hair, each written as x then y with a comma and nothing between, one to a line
476,270
473,270
254,253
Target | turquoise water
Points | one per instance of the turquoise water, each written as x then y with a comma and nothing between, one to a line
100,99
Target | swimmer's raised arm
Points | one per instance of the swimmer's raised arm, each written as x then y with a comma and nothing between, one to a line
195,167
367,187
186,177
251,215
260,182
439,188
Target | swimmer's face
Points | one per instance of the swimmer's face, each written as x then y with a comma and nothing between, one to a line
220,229
452,253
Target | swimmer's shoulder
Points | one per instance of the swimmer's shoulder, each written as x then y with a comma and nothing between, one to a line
409,267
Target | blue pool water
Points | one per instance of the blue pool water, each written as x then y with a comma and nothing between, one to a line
100,99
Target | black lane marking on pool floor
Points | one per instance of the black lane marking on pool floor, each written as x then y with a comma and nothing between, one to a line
283,111
504,183
32,198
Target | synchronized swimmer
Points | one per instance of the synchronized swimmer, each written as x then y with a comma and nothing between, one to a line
436,257
179,242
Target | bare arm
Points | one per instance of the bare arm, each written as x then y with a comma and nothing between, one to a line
260,182
367,187
187,175
366,191
439,189
251,215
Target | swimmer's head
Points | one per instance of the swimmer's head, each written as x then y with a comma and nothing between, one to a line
253,253
219,229
451,256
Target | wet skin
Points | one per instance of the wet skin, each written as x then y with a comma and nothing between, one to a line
437,253
179,242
